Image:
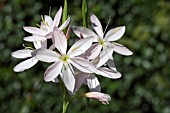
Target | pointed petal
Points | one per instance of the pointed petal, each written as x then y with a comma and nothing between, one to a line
46,55
111,64
83,65
118,48
93,51
115,34
34,30
48,20
25,65
21,54
68,78
53,71
37,44
60,40
43,44
105,55
49,35
109,73
55,80
34,38
80,47
85,32
57,18
96,25
80,78
65,24
93,83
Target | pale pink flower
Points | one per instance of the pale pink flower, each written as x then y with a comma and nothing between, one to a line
26,53
103,98
104,43
46,27
64,61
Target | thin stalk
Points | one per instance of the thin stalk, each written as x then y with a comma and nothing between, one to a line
65,13
87,104
64,18
65,102
85,15
84,12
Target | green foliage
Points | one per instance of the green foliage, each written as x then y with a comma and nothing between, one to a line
144,86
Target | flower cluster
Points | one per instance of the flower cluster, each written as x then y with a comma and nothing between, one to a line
91,55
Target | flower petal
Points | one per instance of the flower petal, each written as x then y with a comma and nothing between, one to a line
115,33
93,83
96,25
104,98
111,64
46,55
105,55
93,51
68,78
53,71
25,65
34,38
37,44
65,24
80,78
55,80
85,32
60,40
109,73
49,21
34,30
21,54
118,48
57,18
80,47
83,65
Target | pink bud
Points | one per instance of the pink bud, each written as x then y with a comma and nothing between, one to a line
104,98
68,33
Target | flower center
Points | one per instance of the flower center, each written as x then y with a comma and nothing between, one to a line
64,58
102,42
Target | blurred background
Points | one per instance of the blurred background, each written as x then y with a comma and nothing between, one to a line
145,84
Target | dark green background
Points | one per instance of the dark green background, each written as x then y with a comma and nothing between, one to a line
145,84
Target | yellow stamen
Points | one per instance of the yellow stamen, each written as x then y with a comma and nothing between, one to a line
27,47
39,26
75,48
102,42
64,58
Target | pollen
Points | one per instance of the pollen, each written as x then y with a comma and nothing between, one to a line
75,48
102,42
64,58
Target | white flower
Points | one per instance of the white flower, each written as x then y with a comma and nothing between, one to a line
46,28
26,53
64,61
104,98
88,79
91,80
105,45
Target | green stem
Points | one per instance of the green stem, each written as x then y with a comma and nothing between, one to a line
65,102
65,13
84,12
87,104
85,15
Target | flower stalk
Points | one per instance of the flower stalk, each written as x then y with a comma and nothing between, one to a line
84,12
65,102
65,13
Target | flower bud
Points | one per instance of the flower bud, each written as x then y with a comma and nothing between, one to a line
103,98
